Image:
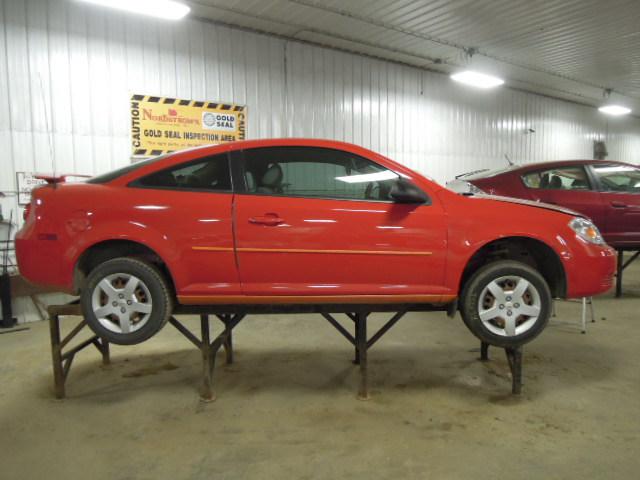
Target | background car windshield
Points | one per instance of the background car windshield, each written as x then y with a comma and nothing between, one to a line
563,178
316,172
618,178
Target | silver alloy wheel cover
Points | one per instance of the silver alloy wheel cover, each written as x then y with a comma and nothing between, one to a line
510,306
121,303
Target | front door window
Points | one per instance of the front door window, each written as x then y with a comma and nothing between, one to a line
316,173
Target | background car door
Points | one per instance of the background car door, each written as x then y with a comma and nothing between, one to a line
317,221
620,185
570,187
191,204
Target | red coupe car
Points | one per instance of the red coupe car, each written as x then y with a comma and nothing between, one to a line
607,192
295,221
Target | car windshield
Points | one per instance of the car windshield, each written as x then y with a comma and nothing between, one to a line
117,173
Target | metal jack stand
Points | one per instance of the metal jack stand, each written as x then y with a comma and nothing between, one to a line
586,302
514,357
210,348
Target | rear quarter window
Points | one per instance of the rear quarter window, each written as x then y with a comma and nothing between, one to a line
210,173
562,178
119,172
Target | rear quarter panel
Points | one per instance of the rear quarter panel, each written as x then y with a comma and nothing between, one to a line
83,215
170,223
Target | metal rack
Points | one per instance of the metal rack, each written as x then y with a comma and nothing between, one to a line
622,265
6,247
230,317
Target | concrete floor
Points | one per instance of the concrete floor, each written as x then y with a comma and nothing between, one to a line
287,409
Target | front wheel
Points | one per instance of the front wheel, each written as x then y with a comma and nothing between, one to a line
506,303
126,301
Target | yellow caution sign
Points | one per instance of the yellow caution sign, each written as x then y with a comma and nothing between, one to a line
163,124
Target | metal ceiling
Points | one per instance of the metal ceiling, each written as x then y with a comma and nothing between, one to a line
570,49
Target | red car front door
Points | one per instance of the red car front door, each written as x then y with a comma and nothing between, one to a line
620,185
318,222
570,187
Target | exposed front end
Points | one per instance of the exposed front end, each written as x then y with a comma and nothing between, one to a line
589,262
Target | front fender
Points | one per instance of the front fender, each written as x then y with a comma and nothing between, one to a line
476,222
462,252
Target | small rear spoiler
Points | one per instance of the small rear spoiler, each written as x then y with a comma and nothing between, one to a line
462,175
54,179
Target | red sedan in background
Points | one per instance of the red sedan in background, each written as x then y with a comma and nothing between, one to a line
605,191
295,221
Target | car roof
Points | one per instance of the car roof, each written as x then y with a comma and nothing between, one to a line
193,153
278,142
539,166
274,142
564,163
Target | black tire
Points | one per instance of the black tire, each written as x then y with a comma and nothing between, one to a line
153,293
495,331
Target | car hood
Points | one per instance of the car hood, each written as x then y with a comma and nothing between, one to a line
529,203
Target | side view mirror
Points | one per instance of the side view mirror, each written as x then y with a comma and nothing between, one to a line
404,191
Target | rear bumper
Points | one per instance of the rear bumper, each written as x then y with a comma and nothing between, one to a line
591,271
39,261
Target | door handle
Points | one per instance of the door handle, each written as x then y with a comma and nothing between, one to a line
269,219
618,205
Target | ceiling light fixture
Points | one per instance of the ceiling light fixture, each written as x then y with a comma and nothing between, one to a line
616,110
477,79
165,9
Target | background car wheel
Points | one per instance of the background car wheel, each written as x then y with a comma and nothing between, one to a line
126,301
506,303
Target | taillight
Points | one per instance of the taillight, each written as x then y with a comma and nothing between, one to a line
27,209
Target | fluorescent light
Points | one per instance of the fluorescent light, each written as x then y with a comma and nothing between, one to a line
167,9
615,110
477,79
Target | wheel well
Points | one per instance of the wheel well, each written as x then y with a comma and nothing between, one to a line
526,250
107,250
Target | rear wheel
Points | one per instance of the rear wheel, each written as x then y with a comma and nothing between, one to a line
506,303
126,301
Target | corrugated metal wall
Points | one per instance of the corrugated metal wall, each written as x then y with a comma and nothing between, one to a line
67,70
